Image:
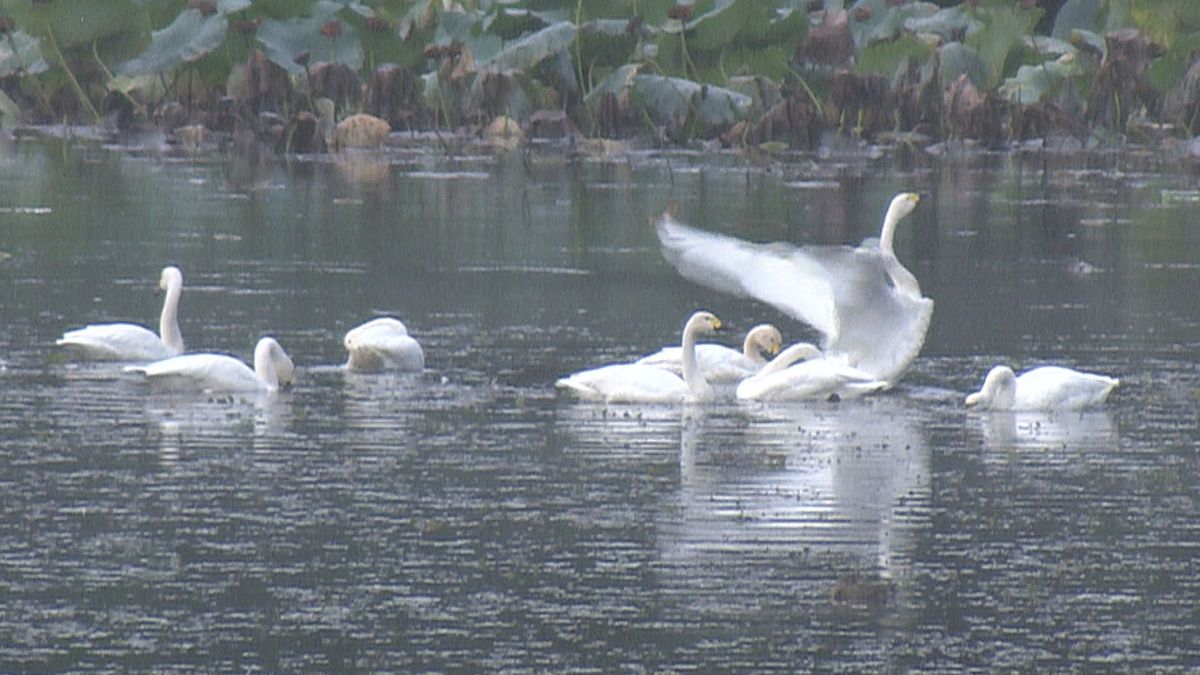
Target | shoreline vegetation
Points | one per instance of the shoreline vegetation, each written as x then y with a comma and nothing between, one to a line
318,75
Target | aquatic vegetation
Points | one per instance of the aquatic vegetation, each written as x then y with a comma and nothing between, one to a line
743,72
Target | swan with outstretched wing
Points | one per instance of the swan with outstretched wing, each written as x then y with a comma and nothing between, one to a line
864,302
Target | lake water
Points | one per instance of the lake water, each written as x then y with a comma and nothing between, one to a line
468,518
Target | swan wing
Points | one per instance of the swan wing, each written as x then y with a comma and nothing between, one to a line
880,328
626,383
776,274
203,372
844,293
116,342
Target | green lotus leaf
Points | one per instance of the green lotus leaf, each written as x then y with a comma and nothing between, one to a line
1004,28
21,53
73,24
730,22
1077,15
874,20
188,38
618,81
884,58
671,99
284,40
950,23
956,59
527,52
1032,83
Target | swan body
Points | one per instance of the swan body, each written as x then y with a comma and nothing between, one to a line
382,344
1044,388
853,296
640,383
815,377
131,342
220,373
719,363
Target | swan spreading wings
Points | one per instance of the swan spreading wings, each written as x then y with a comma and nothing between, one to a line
868,307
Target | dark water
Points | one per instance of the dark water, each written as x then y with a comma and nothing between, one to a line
468,519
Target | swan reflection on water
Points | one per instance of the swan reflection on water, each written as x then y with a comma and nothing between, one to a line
848,478
1045,430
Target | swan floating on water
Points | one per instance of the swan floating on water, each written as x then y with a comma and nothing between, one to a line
866,304
382,344
640,383
131,342
1044,388
220,373
719,363
815,377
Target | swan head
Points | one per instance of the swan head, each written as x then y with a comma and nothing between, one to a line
170,278
702,323
762,339
272,365
902,205
999,390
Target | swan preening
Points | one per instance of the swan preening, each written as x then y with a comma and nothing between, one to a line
273,369
868,307
719,363
814,377
382,344
640,383
131,342
1044,388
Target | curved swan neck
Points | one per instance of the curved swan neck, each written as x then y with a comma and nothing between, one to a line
691,370
168,322
901,206
999,390
264,364
787,357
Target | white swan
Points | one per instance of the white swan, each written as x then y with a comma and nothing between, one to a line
639,383
382,344
130,342
719,363
817,377
1044,388
220,373
866,304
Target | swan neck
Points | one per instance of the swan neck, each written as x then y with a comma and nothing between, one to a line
903,279
264,366
691,370
786,358
168,322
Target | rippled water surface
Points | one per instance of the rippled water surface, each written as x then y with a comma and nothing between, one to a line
468,518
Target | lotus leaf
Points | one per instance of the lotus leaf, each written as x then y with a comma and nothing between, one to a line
286,39
873,20
21,53
1004,26
529,51
885,58
956,59
189,37
1077,15
1032,83
674,99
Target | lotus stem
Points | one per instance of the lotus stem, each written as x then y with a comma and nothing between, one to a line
108,76
70,75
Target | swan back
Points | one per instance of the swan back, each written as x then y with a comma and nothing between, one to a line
380,344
